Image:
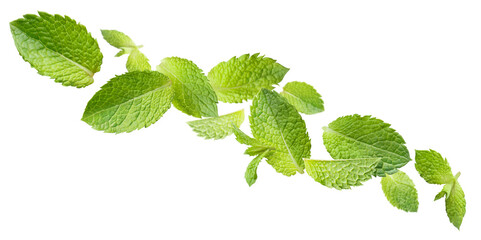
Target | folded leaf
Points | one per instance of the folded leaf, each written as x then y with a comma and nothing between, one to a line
57,47
456,205
128,102
274,122
251,171
352,137
137,61
433,167
341,174
400,191
193,94
217,127
242,78
303,97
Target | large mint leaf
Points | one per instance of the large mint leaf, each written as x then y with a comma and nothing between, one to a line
137,61
433,167
303,97
193,94
217,127
241,78
400,191
57,47
353,137
274,122
128,102
341,174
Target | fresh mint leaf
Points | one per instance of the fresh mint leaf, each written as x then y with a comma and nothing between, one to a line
341,174
137,61
400,191
353,136
303,97
217,127
274,122
436,170
433,167
129,102
193,94
57,47
251,171
241,78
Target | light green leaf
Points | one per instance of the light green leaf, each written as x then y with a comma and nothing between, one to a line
242,78
251,171
57,47
274,122
193,94
456,205
119,40
400,191
352,137
433,167
243,138
444,192
128,102
303,97
217,127
341,174
137,61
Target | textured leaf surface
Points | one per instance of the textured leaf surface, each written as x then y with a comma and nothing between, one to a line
128,102
256,147
274,122
400,191
456,205
217,127
353,136
341,174
433,167
303,97
242,78
251,171
137,61
57,47
193,94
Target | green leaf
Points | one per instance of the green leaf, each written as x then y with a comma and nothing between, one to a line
193,94
243,138
303,97
400,191
444,192
251,171
274,122
433,167
242,78
57,47
137,61
456,205
352,137
341,174
217,127
128,102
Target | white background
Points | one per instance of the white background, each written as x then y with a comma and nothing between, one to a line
414,64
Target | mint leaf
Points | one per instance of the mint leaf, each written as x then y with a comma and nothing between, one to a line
217,127
128,102
433,167
57,47
456,204
242,78
193,94
274,122
255,147
341,174
137,61
353,136
303,97
251,171
400,191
